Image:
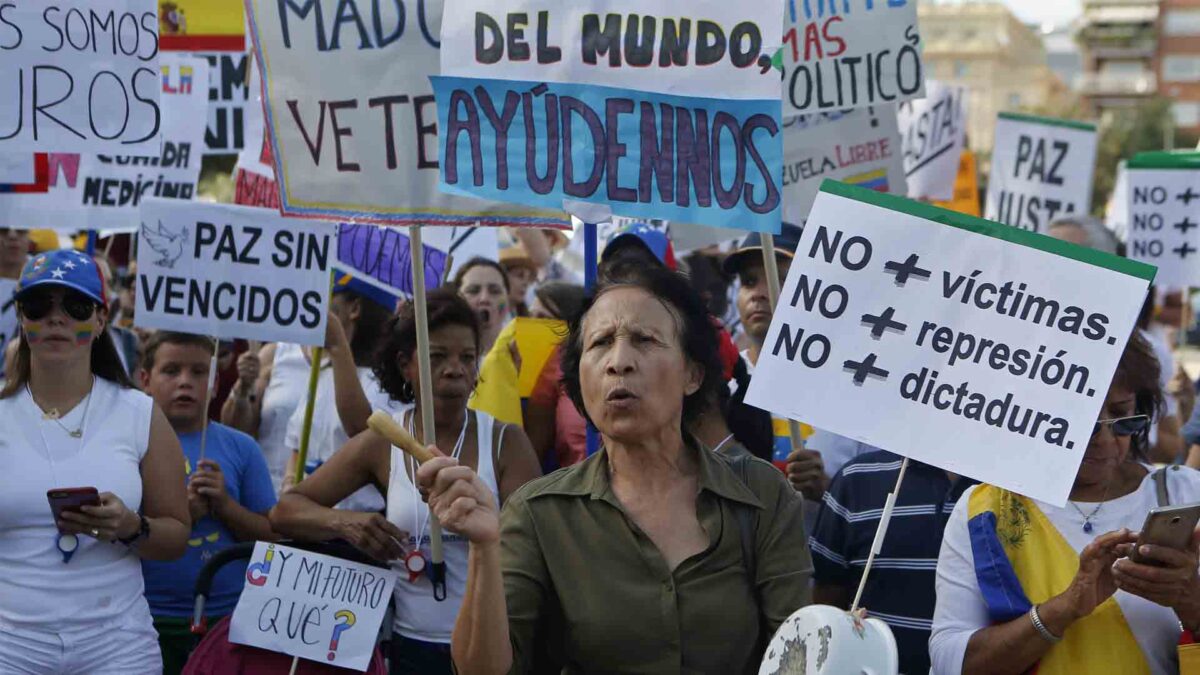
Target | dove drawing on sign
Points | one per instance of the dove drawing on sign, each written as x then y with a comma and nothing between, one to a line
167,244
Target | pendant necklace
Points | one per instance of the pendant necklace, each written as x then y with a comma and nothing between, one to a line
415,562
1087,517
54,414
66,544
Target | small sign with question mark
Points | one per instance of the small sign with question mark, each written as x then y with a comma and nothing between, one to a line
346,619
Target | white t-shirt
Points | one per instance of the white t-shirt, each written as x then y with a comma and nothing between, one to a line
284,393
103,580
961,611
418,615
328,436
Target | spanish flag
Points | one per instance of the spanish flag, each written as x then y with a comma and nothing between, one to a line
201,26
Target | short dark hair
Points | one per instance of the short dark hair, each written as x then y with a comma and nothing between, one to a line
1139,372
371,322
167,337
696,333
444,307
479,262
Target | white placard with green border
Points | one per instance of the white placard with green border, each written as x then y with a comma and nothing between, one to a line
1041,170
1163,198
979,348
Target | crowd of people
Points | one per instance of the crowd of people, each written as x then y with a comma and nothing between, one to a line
677,538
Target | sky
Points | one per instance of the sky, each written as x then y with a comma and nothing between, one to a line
1041,11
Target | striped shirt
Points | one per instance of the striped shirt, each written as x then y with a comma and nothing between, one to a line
900,589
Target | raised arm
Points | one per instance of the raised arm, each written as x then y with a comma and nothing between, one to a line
242,410
353,406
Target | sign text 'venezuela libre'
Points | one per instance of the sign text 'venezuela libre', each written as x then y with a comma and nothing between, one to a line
979,348
670,114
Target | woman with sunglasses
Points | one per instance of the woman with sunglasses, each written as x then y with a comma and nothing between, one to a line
69,418
1023,585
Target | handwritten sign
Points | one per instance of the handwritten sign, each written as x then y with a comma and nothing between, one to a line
352,115
1041,170
950,328
860,147
382,257
1164,215
233,272
228,92
839,55
672,115
80,76
103,191
935,133
313,606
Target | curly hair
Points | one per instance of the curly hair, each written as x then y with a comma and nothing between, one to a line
444,307
1139,371
695,333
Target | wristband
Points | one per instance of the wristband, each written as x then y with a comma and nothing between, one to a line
1041,627
143,532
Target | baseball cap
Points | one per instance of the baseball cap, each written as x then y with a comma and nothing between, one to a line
751,246
63,267
345,283
653,240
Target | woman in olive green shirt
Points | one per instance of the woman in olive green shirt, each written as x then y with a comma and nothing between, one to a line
631,561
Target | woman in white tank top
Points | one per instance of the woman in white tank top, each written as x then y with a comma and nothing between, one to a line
500,454
71,419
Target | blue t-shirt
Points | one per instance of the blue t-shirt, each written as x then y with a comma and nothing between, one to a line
169,585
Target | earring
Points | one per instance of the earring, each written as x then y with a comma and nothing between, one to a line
406,391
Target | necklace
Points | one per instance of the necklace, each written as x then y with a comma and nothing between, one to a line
54,415
722,443
414,562
1087,517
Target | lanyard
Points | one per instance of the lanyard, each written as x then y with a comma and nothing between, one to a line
416,494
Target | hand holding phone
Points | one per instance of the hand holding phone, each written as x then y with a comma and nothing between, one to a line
1169,527
71,499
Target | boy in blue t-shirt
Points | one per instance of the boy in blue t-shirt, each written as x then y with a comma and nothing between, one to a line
229,492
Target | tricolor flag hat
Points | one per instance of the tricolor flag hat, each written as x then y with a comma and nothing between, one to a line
63,267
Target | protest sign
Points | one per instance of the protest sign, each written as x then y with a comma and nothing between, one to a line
233,272
948,327
228,91
935,133
1041,170
352,116
1164,215
382,257
1116,210
313,606
103,191
966,187
850,55
202,25
25,173
861,147
79,76
620,108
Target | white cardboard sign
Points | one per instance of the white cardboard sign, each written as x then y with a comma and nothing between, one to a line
313,606
978,348
233,272
79,76
1041,170
935,132
1164,220
228,93
850,55
860,147
352,116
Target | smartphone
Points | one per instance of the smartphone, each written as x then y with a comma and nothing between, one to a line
1168,526
71,499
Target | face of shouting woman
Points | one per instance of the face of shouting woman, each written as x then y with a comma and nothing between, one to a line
483,289
633,371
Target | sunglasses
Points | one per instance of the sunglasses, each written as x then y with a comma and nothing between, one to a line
1123,426
37,305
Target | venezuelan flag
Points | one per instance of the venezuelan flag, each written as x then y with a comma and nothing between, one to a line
872,180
